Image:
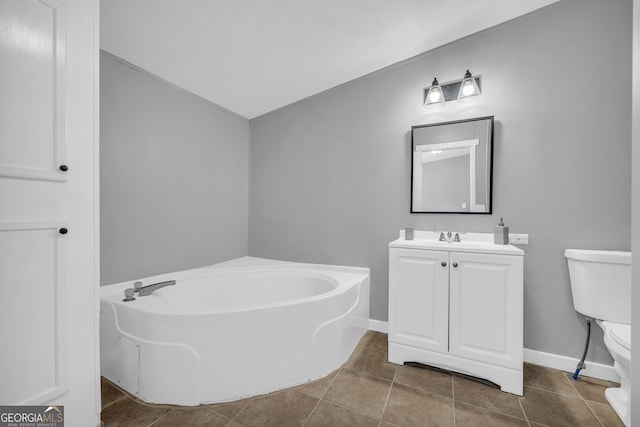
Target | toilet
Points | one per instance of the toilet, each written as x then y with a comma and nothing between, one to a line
601,289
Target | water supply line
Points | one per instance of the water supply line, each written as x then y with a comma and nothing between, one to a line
581,364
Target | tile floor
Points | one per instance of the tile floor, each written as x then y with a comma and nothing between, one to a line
369,391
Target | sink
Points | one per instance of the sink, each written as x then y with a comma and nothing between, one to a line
469,242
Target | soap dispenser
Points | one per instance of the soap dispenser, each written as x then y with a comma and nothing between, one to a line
501,234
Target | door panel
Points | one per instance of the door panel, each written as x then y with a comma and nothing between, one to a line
32,277
419,298
486,308
32,113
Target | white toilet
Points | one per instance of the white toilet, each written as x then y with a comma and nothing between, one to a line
601,288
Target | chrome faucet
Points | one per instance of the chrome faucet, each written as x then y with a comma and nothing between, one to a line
147,290
443,238
449,237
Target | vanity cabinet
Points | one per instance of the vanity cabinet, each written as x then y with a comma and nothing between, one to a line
458,308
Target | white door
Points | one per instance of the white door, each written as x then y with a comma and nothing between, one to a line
419,298
486,308
48,206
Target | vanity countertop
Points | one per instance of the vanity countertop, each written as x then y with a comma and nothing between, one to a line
469,242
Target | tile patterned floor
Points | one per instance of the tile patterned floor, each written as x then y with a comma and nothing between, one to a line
369,391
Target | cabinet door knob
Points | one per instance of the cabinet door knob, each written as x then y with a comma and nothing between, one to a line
443,263
64,168
455,264
63,231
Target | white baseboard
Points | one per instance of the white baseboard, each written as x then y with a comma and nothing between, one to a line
568,364
555,361
379,326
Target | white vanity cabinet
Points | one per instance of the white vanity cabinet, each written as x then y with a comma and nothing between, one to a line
458,306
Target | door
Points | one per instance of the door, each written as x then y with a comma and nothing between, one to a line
48,206
419,298
486,308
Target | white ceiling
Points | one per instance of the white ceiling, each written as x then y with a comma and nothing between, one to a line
254,56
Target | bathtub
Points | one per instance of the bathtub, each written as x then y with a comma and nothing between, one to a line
232,330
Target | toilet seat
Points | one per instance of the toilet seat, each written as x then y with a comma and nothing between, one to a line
619,333
617,339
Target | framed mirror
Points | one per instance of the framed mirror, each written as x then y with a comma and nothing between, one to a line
452,167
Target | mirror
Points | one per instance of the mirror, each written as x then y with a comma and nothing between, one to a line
452,167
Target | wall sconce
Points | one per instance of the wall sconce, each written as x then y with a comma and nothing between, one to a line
435,96
462,90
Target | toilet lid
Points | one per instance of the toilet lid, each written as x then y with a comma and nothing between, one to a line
621,334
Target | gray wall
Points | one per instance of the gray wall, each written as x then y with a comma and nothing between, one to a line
173,179
330,175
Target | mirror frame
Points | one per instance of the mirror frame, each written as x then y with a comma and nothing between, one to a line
489,207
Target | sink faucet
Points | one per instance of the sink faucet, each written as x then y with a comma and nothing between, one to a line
443,238
147,290
450,237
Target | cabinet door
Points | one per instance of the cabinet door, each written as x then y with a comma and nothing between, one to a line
419,298
486,308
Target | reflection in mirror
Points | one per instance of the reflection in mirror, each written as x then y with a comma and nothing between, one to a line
452,167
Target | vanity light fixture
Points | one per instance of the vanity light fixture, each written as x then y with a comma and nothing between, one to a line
465,89
435,96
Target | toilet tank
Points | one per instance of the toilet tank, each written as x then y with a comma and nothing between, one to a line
601,283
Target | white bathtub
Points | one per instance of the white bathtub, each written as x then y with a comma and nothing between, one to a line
232,330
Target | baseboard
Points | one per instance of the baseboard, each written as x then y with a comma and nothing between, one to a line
379,326
568,364
555,361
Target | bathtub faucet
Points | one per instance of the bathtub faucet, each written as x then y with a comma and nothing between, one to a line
147,290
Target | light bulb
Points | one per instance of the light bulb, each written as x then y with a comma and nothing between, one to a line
435,95
468,89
